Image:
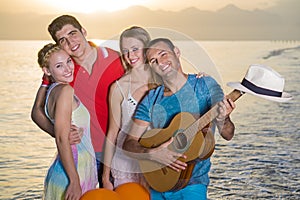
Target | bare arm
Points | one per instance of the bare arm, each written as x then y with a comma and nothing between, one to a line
131,144
223,121
63,113
159,154
38,113
115,99
39,117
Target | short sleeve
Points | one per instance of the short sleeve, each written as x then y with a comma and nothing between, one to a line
215,91
142,111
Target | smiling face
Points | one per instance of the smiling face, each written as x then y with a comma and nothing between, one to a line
163,60
60,67
72,40
132,51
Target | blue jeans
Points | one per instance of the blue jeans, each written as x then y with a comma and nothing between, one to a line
190,192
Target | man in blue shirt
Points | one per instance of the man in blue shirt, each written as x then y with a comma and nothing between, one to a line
178,93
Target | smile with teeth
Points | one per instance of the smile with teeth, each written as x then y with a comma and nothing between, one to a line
68,75
164,67
133,61
75,47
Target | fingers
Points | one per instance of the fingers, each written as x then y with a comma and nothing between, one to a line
168,157
73,193
75,134
222,111
73,126
172,159
178,165
231,103
227,105
201,74
225,108
80,132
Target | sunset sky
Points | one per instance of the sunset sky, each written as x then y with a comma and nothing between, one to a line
89,6
212,20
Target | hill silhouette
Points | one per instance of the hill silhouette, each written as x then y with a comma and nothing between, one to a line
228,23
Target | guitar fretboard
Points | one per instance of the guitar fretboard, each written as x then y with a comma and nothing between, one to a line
209,116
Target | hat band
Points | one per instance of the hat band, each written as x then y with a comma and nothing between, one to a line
260,90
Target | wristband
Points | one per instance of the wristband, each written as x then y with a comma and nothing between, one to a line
45,81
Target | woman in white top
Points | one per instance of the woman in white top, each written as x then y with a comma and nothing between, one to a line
124,96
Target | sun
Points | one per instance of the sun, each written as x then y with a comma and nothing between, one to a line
90,6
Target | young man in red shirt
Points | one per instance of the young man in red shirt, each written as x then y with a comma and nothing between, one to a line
95,69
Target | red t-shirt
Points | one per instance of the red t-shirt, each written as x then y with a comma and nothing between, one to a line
92,89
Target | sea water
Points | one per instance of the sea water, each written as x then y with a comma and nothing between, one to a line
262,161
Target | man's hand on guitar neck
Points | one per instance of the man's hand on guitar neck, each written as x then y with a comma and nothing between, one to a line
223,121
225,108
167,157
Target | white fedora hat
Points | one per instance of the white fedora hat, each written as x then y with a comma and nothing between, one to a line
263,81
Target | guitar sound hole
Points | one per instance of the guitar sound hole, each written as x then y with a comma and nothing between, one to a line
180,141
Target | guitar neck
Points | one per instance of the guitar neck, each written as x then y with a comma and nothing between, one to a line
234,95
209,116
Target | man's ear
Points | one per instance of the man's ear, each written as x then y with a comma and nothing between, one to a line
177,52
46,71
84,32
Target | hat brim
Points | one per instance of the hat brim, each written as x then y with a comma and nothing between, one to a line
236,85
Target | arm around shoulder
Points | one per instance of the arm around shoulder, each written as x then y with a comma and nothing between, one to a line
38,114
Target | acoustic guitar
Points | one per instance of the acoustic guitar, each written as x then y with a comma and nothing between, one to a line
188,139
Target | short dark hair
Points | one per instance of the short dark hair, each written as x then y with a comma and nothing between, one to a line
164,40
58,23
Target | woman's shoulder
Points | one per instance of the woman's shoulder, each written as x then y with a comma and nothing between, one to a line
125,78
63,87
62,90
122,83
116,91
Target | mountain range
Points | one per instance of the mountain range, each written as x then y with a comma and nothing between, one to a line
228,23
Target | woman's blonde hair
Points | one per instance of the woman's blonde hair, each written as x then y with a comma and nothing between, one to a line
45,53
142,35
134,32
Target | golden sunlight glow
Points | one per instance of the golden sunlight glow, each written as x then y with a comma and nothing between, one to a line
90,6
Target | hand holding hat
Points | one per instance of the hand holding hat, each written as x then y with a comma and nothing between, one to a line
264,82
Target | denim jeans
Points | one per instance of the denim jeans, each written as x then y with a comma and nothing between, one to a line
190,192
